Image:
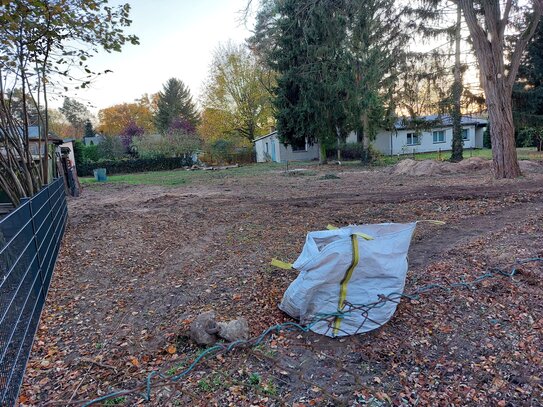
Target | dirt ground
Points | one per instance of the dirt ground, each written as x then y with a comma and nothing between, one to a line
138,263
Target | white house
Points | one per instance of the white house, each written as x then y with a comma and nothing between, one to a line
270,148
403,139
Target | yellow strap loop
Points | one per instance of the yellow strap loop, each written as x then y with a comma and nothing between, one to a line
281,264
364,236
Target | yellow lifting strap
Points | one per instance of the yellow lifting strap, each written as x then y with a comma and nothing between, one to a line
345,281
362,235
281,264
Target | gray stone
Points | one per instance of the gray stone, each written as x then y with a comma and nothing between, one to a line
235,330
204,328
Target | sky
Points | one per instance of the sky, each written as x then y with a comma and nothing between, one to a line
177,39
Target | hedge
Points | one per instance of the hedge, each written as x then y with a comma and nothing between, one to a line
129,166
352,151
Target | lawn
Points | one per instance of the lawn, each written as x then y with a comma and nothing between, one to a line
183,177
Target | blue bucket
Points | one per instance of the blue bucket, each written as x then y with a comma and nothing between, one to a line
100,174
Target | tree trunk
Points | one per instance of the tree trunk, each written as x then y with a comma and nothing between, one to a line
502,135
322,154
489,44
457,142
365,139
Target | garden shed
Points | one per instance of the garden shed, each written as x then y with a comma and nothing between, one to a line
270,148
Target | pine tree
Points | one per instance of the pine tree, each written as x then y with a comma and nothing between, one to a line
175,102
89,131
528,90
375,44
309,60
334,61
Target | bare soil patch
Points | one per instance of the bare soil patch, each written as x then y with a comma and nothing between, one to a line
138,263
474,164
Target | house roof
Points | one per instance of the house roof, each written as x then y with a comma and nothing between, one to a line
34,135
267,135
444,120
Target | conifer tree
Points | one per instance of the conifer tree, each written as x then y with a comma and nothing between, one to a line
175,102
89,131
335,63
528,89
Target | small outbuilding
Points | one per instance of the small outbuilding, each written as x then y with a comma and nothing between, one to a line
269,148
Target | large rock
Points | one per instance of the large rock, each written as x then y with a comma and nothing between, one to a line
204,328
236,330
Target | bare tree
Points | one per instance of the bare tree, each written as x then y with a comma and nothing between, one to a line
41,43
488,22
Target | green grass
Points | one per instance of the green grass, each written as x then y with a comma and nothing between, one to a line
115,401
182,177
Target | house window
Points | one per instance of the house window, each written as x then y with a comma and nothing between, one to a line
465,134
439,136
299,145
412,139
267,148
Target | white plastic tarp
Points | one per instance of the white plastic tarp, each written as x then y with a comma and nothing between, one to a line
340,268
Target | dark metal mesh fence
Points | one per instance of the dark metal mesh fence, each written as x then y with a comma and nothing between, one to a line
30,238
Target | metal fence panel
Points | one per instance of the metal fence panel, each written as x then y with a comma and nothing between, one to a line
30,238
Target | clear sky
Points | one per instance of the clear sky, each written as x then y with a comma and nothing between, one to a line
177,39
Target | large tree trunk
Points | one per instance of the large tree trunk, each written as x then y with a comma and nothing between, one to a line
502,134
487,26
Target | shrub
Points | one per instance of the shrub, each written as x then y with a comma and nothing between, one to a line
79,152
530,137
90,153
226,152
487,142
128,166
175,143
130,131
110,148
354,151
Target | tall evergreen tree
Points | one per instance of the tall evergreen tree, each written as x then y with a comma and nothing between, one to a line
528,89
89,131
375,44
334,61
309,58
175,102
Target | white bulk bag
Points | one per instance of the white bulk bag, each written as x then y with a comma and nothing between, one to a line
343,266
